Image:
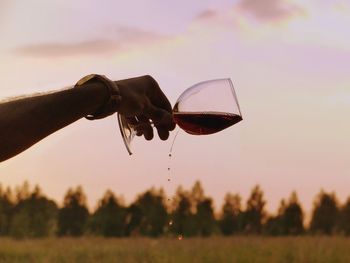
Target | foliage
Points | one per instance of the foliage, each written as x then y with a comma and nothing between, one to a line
289,219
147,215
27,213
35,216
6,209
205,220
231,211
109,219
73,216
344,219
183,217
253,217
325,214
194,213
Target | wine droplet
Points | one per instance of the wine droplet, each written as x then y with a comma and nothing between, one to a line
179,237
171,222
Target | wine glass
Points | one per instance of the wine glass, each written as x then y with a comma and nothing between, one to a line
204,108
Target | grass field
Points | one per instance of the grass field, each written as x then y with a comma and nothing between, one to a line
216,249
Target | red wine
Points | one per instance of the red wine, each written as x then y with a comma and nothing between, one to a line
202,123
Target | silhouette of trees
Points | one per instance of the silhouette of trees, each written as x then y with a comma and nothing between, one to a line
147,215
183,216
205,219
289,219
344,219
325,214
6,207
253,217
193,212
73,216
27,213
203,211
231,212
293,217
33,215
109,219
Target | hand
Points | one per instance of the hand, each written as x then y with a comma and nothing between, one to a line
144,103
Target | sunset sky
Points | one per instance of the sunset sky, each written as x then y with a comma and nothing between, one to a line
288,59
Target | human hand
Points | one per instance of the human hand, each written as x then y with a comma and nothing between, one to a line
143,103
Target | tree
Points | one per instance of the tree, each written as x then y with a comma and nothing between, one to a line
254,215
205,220
202,211
184,222
344,219
196,195
147,215
22,192
293,217
6,208
109,218
274,223
133,220
231,209
33,216
289,219
325,214
73,216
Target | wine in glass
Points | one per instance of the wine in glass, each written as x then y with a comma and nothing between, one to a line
205,108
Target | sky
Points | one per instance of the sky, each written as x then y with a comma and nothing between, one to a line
288,59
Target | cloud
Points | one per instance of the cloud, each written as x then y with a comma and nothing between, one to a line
269,10
69,49
207,14
119,39
215,19
239,16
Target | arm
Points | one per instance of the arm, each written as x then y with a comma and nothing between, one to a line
26,121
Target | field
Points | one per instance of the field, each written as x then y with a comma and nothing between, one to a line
216,249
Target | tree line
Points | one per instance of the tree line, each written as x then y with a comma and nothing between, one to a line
28,213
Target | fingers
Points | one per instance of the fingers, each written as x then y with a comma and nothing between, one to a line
159,109
145,103
142,126
163,133
145,127
162,120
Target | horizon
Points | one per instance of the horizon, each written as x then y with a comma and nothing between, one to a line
217,208
289,62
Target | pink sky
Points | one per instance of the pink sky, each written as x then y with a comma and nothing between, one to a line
289,61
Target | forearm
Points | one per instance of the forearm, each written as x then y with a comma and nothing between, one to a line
26,121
